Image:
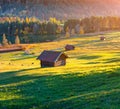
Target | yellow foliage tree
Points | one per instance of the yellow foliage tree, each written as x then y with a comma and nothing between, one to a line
17,40
73,32
67,34
27,20
5,41
82,30
54,20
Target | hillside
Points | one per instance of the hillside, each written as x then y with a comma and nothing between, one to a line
63,9
90,80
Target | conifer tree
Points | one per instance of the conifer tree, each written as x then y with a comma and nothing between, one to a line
17,40
4,41
73,32
67,34
81,30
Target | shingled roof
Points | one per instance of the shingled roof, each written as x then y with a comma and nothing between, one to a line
50,56
69,47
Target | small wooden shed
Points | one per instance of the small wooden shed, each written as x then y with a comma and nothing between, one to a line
102,38
69,47
52,58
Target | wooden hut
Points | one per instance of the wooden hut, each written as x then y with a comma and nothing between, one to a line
69,47
102,38
52,58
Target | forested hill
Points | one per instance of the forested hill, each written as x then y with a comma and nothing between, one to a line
62,9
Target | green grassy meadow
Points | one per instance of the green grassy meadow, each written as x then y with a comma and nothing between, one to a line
90,79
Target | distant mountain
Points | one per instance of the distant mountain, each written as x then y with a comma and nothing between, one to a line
64,9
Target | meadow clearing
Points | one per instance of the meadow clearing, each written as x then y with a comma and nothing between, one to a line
90,79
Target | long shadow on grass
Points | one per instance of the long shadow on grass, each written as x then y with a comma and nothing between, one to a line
65,91
112,60
11,76
85,57
84,43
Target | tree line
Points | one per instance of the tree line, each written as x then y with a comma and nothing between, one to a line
28,29
34,30
95,24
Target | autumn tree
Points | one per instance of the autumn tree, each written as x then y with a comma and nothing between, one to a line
67,32
81,30
17,40
5,41
72,31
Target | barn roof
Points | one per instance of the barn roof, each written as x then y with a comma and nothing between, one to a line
50,56
69,46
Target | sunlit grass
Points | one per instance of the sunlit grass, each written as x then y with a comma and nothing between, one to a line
90,79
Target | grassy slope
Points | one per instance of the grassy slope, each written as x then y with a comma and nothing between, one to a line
90,80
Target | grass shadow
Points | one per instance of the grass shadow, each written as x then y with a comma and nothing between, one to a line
84,43
112,60
93,62
85,57
11,76
64,91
